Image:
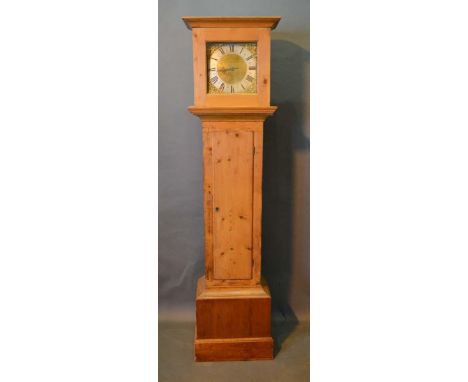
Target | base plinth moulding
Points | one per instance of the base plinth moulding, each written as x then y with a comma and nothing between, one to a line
234,349
233,323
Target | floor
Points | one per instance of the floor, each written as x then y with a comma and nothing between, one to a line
291,362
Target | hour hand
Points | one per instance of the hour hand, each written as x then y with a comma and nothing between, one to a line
230,69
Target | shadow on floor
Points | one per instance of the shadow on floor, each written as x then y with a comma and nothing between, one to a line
285,215
176,358
282,325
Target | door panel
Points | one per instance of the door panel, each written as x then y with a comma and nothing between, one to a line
232,166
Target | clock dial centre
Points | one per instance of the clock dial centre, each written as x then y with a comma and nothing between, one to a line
232,68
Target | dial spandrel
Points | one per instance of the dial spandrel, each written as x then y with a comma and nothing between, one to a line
232,68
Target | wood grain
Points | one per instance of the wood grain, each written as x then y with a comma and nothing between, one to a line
233,303
201,36
257,204
232,22
232,312
232,113
239,349
233,318
232,166
233,204
233,323
205,292
208,202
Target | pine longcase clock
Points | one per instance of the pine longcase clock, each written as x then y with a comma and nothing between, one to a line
231,62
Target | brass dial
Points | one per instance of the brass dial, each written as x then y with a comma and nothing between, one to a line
232,67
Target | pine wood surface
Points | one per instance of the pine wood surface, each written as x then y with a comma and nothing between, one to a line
233,323
232,201
236,22
201,36
233,304
238,113
219,292
232,157
239,349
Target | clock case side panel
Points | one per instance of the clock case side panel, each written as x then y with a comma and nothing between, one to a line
210,127
232,162
202,36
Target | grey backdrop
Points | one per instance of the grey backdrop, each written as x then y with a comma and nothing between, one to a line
285,238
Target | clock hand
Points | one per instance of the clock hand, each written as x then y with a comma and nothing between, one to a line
230,69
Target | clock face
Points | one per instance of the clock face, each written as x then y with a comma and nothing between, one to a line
232,68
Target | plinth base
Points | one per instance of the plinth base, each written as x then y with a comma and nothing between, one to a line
233,323
234,349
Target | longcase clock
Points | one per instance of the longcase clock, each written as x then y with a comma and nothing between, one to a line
231,63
